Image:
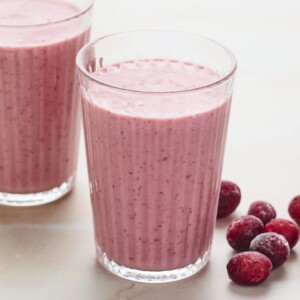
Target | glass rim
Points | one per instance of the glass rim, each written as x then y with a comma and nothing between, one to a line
75,16
224,78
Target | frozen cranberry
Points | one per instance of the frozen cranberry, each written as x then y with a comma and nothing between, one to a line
294,209
263,210
285,227
229,199
272,245
242,231
249,268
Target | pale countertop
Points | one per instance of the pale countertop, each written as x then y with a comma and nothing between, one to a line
48,253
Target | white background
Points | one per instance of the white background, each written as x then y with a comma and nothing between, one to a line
48,252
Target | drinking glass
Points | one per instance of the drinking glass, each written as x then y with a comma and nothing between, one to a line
39,98
155,144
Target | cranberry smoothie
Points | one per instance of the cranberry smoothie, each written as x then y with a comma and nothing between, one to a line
155,160
39,105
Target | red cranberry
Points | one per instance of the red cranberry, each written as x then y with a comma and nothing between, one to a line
272,245
263,210
249,268
229,199
242,231
285,227
294,209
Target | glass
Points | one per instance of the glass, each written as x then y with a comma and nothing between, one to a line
154,156
39,98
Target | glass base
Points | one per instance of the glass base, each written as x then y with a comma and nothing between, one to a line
152,276
33,199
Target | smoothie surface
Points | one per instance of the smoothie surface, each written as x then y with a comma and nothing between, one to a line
155,83
156,75
35,12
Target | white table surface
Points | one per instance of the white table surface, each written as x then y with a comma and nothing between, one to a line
47,252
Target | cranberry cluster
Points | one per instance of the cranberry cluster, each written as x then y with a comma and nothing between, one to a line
262,240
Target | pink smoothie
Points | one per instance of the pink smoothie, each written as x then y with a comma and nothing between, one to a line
154,162
39,105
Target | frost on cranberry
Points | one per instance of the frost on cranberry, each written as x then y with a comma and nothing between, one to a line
229,199
272,245
294,209
285,227
249,268
242,231
262,210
